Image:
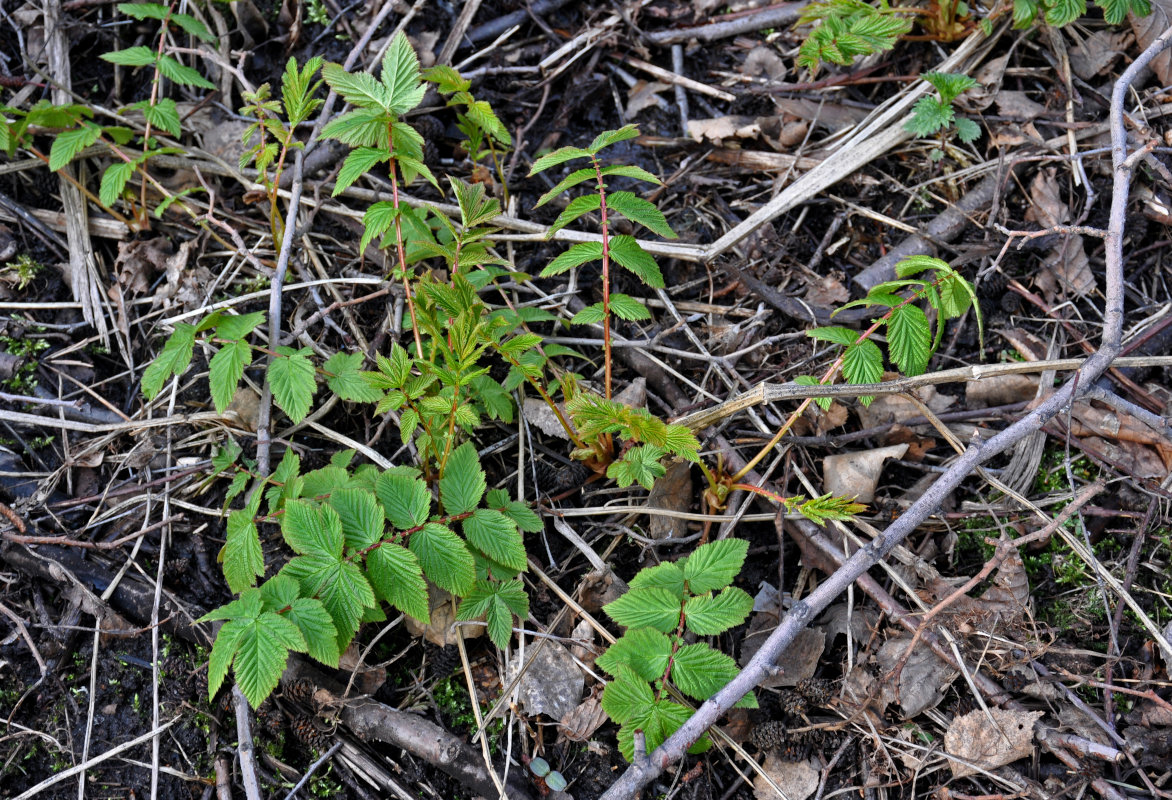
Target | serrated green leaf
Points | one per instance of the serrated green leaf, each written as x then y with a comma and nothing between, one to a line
667,575
627,699
646,651
340,585
324,481
193,26
863,363
225,371
397,576
929,115
575,256
405,498
810,380
638,173
345,378
463,482
174,359
571,180
357,89
700,672
313,530
709,615
496,602
359,162
627,253
607,138
444,557
237,326
559,156
663,719
223,651
68,144
362,127
636,209
576,208
261,654
832,333
629,308
652,607
638,465
291,377
715,565
279,593
497,537
183,75
114,181
909,339
145,10
967,130
590,315
400,76
316,625
361,516
130,57
950,85
1063,12
243,559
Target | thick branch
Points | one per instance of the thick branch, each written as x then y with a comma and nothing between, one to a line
640,774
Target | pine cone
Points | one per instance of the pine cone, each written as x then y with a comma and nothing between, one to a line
794,704
769,735
817,690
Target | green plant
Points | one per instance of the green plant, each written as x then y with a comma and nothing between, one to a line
361,536
910,339
275,137
936,115
486,134
847,29
21,271
664,606
1057,13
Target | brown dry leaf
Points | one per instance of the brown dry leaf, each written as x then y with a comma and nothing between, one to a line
1094,55
581,723
443,614
797,662
672,492
1027,345
923,681
764,62
796,779
1129,457
888,409
857,474
989,78
721,128
138,260
997,390
829,115
827,291
1018,106
244,408
369,678
645,94
183,287
1147,29
861,694
917,446
634,394
538,413
1069,268
1007,738
600,588
552,684
1008,596
834,622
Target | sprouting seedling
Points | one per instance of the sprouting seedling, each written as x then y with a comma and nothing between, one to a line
552,778
936,114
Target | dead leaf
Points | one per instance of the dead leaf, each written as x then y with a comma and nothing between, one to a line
671,492
721,128
552,684
827,291
834,622
1147,29
138,260
368,678
834,116
583,647
988,78
990,744
1069,268
917,446
538,413
861,695
600,588
443,614
634,394
891,408
1095,54
764,62
997,390
857,474
796,779
923,681
797,662
244,408
1018,106
581,723
645,94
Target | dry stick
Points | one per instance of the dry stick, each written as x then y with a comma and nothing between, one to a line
646,769
772,17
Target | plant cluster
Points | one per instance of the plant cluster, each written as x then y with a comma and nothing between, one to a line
665,606
933,115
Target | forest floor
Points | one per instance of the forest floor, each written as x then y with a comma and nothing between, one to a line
793,191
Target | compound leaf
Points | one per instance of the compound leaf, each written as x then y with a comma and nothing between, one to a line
362,518
291,378
243,560
173,360
497,537
463,482
709,615
909,339
646,651
636,209
397,575
652,607
444,557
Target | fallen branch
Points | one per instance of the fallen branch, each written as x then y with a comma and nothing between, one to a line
646,769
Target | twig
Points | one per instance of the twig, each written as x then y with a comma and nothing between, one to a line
312,769
639,775
244,746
